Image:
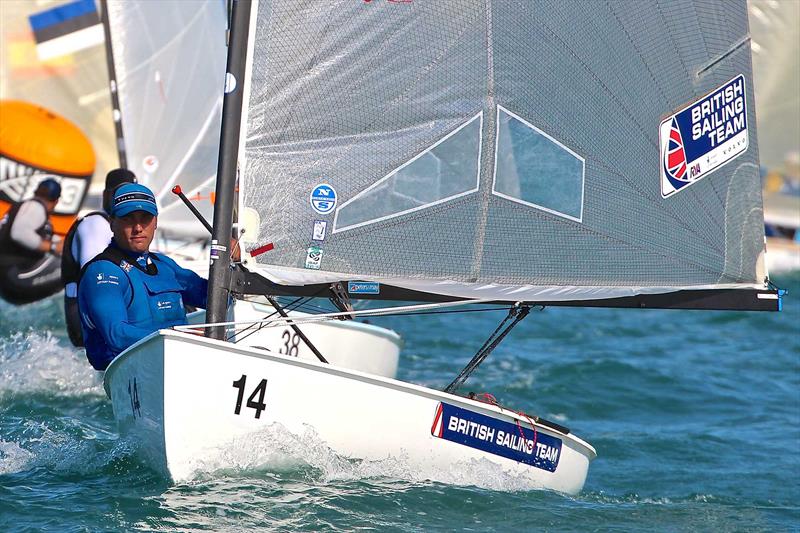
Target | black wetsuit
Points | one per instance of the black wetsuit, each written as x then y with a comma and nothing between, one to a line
26,275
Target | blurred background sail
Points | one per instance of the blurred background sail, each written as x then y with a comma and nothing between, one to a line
169,59
775,31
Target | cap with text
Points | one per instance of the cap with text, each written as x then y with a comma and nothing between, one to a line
133,197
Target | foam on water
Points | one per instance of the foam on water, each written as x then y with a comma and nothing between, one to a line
63,446
276,449
13,458
37,363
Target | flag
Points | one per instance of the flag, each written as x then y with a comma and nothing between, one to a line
66,29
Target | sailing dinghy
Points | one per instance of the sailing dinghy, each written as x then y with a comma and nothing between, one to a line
456,152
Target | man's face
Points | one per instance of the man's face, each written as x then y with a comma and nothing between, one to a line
134,231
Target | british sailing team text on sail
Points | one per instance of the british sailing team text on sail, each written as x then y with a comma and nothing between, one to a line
722,115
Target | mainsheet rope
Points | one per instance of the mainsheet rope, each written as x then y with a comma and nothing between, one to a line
516,313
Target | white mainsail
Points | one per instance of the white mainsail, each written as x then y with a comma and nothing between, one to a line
169,59
504,150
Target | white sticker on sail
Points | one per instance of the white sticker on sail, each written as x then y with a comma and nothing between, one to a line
314,258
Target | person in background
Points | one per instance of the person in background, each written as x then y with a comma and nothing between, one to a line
28,249
128,292
26,231
88,237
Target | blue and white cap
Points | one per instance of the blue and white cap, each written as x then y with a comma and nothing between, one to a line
133,197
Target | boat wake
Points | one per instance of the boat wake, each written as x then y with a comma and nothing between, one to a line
277,450
37,363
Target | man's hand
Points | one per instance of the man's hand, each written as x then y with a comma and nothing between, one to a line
52,246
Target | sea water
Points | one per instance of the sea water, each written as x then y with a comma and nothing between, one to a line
695,417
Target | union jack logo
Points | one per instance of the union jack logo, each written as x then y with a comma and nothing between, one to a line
674,155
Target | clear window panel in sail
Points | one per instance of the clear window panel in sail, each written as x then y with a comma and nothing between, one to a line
443,172
535,169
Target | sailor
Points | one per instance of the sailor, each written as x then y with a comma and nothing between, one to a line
128,292
26,240
26,229
88,237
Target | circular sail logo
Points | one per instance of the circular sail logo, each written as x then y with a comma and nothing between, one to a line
323,199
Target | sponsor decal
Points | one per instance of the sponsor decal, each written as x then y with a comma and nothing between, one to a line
314,257
19,181
103,280
703,136
496,437
323,198
320,227
363,287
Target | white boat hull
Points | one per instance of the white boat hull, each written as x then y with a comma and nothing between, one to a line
347,343
177,395
783,255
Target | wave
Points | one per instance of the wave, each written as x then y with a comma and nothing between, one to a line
38,363
276,449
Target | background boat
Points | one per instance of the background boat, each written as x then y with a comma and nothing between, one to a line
775,31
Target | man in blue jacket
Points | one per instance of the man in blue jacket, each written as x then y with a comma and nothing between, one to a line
128,292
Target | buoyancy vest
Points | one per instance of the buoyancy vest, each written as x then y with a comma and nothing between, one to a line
70,265
14,253
155,300
71,273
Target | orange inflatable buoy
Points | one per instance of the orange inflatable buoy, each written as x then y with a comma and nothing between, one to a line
36,141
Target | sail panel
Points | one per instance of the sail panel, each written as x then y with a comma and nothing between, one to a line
344,94
170,62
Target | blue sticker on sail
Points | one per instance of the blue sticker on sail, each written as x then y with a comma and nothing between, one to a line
323,199
496,437
363,287
703,136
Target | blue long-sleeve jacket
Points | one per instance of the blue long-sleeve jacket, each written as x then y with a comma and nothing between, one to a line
121,302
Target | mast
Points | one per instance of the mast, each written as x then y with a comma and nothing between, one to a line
112,83
220,274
